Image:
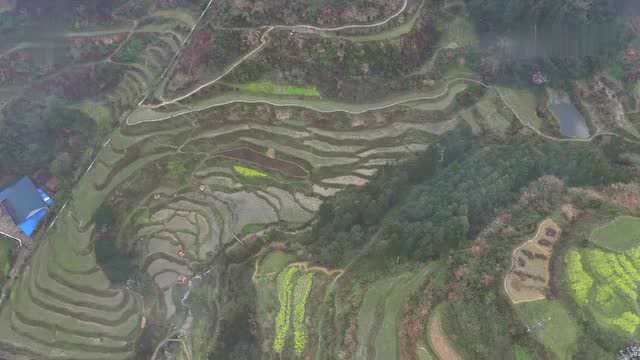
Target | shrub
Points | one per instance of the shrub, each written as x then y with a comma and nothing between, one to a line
176,170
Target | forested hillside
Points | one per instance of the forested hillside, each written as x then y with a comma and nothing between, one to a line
441,200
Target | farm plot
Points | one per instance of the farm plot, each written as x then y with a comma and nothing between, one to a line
459,32
190,227
528,279
605,284
620,235
386,342
484,116
552,325
79,306
265,87
253,157
523,103
286,309
380,313
184,225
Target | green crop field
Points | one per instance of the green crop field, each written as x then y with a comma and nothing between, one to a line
620,235
300,297
553,327
265,87
604,283
286,284
249,172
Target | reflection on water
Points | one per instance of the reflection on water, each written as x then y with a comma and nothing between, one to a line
572,123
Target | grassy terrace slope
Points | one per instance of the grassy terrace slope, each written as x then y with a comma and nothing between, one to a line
63,306
65,302
620,235
197,174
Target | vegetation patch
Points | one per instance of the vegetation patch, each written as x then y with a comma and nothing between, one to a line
459,32
605,285
438,339
301,295
552,325
620,235
285,295
274,262
521,353
101,115
6,248
252,228
249,172
265,87
249,155
523,103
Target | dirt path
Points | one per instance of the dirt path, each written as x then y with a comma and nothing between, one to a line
321,106
176,56
527,124
346,27
306,267
439,342
263,42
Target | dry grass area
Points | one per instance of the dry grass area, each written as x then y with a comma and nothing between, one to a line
528,279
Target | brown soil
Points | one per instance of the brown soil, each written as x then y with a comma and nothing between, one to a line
528,279
439,341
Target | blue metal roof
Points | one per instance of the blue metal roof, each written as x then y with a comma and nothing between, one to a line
22,199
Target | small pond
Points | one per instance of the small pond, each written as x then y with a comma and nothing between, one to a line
572,122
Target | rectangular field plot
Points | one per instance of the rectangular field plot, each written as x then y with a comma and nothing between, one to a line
265,87
552,326
523,103
460,32
528,279
620,235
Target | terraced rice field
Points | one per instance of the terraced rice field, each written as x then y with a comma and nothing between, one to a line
187,225
528,279
65,307
64,302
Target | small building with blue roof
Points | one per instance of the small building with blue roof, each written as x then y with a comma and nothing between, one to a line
25,205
